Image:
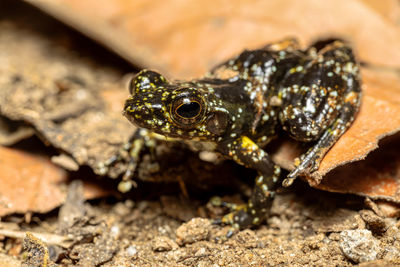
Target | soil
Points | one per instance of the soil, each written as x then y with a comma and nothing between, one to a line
166,220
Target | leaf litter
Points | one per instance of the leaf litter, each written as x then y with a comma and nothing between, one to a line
296,223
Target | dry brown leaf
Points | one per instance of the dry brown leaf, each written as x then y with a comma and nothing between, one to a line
378,176
30,182
389,9
379,116
184,39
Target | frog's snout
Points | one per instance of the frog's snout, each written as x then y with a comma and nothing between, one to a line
143,113
136,110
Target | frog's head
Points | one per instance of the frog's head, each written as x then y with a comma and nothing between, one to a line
174,109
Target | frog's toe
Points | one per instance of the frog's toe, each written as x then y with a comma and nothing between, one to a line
217,221
103,167
314,166
307,164
130,169
240,219
290,179
299,170
218,202
225,237
231,232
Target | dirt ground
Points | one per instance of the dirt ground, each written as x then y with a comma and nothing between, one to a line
166,220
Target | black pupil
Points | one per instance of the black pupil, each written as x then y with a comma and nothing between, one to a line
189,110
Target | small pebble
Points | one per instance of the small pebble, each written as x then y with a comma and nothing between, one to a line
163,243
196,229
131,251
359,245
374,223
115,231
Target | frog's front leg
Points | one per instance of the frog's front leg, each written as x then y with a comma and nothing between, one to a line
245,152
129,154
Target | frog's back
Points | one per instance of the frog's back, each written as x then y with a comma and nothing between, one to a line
256,76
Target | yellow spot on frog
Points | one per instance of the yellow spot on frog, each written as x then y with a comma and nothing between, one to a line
248,144
297,162
351,97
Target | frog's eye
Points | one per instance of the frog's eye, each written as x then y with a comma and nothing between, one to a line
189,110
186,110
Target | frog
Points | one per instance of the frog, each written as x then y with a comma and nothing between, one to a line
311,94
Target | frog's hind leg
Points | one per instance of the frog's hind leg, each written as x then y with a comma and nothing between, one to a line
245,152
336,74
311,159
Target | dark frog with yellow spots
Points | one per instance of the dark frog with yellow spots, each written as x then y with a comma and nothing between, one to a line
311,94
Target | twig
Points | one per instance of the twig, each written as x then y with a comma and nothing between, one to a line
59,240
193,257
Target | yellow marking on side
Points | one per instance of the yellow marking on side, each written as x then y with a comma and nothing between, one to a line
248,144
